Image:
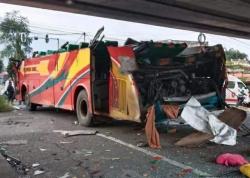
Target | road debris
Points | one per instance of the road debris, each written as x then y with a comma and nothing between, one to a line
75,132
233,117
184,172
20,168
42,149
150,129
64,142
84,152
160,115
194,139
229,159
38,172
172,131
113,159
130,173
14,142
142,144
245,170
35,165
204,121
171,111
66,175
157,158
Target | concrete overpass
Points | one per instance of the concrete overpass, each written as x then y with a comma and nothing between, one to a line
225,17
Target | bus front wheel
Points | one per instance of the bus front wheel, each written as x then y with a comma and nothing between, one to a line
82,109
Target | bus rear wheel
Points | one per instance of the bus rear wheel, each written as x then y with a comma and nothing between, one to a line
82,109
29,106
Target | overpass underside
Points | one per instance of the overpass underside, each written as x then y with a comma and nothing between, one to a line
224,17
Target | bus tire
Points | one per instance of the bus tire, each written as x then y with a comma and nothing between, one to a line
82,109
29,106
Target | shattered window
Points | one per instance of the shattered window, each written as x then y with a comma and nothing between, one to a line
230,84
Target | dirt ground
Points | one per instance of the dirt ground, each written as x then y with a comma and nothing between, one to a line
31,137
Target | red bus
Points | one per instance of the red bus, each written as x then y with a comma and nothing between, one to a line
102,78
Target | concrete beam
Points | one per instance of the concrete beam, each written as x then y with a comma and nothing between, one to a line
183,14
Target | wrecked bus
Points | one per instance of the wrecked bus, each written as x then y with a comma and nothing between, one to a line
121,82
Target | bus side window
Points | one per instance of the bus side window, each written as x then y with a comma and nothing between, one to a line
241,85
231,84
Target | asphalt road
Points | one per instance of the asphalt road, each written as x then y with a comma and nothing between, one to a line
110,154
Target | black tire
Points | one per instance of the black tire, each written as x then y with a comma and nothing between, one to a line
29,106
82,109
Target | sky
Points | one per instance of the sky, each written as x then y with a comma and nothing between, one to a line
64,25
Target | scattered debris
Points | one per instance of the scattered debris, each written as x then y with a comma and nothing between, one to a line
233,117
229,159
245,170
111,167
194,139
113,159
150,129
130,173
14,142
157,158
35,165
14,162
96,173
204,121
172,131
63,142
38,172
84,152
42,149
171,111
142,144
76,122
66,175
76,132
107,150
184,172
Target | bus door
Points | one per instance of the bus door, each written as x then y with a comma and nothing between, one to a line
123,98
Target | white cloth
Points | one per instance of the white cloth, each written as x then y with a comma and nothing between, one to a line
204,121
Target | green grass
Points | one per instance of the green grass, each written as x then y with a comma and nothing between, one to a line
4,106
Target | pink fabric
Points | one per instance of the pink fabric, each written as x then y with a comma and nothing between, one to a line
229,159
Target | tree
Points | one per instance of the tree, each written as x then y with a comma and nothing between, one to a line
14,35
1,66
233,54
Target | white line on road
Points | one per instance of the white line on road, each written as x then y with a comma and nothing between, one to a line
150,153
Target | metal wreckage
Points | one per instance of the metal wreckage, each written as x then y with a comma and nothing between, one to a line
123,82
